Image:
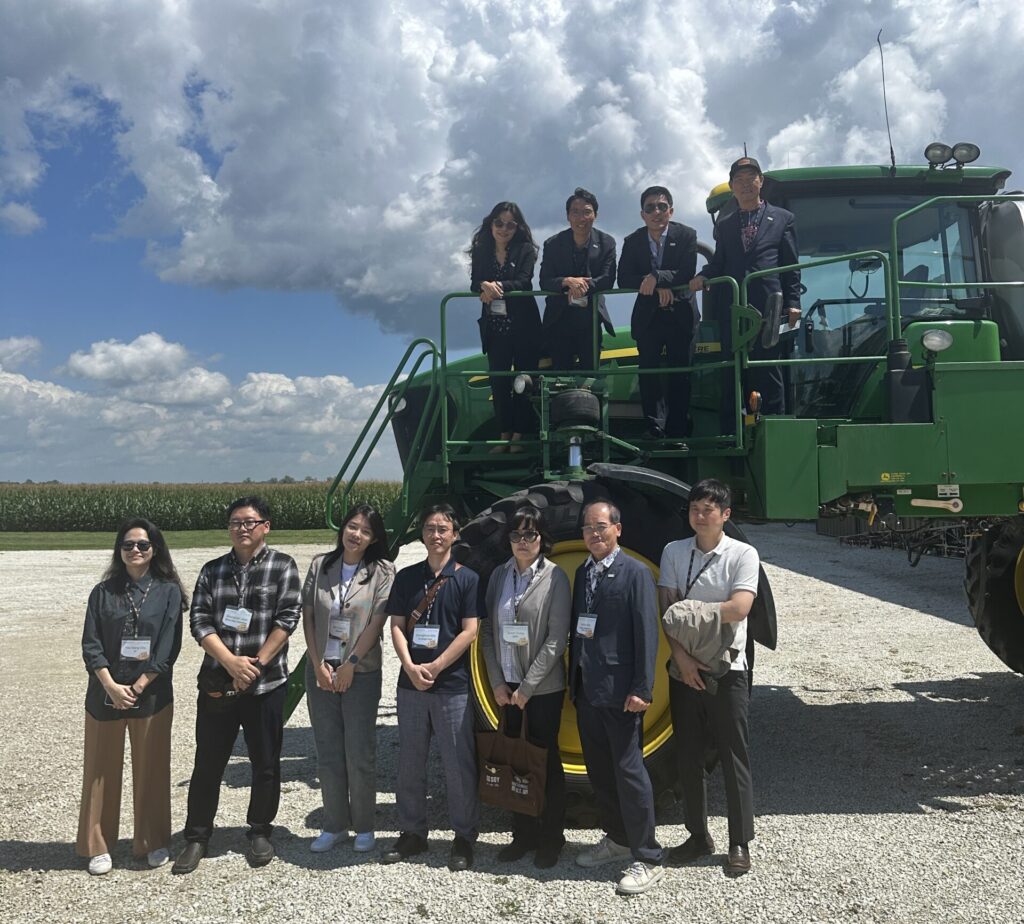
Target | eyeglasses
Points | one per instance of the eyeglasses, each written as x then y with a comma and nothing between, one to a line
582,213
529,535
247,525
142,545
653,207
437,530
598,529
501,225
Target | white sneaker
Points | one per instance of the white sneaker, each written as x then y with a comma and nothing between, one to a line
100,865
157,857
639,877
327,840
365,842
604,851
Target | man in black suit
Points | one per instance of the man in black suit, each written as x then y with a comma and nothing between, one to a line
613,646
755,236
578,262
655,259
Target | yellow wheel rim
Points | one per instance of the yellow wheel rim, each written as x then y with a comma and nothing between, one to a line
1018,579
657,720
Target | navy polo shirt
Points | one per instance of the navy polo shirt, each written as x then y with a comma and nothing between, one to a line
454,602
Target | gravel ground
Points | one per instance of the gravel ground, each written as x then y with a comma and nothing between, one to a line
888,750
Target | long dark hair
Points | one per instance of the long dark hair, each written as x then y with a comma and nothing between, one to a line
483,240
160,565
375,551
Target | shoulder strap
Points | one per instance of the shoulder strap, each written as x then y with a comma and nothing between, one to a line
427,602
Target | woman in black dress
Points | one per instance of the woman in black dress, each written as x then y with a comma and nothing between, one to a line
503,258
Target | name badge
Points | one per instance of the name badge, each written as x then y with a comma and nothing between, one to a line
237,618
497,308
515,633
585,625
425,636
580,302
135,649
340,628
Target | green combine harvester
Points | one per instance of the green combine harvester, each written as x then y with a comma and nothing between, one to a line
903,379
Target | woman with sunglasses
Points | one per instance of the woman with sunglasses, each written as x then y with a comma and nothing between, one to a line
343,602
503,257
131,640
528,602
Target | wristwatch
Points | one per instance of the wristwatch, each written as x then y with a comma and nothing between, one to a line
353,660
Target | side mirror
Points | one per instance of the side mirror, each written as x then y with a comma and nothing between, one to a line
772,320
866,265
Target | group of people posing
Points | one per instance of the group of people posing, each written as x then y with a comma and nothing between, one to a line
659,260
247,603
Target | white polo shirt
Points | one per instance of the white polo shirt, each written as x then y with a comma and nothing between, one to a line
713,577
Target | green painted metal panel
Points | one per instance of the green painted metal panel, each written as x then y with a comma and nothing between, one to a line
783,469
973,341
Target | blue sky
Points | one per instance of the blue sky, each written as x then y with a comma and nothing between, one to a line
220,224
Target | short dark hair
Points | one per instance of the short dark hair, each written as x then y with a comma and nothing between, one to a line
655,191
251,500
378,547
446,510
531,518
711,489
614,514
160,566
580,193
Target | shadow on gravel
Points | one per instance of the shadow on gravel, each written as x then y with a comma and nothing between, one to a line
948,741
20,856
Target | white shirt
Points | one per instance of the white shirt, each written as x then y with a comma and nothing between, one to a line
712,577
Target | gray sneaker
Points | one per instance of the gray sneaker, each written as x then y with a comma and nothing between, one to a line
604,851
639,877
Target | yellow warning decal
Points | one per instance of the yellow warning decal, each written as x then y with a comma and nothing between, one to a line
894,477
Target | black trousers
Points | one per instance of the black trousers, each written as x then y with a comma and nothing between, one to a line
543,716
519,349
768,380
700,720
668,411
613,749
261,719
570,336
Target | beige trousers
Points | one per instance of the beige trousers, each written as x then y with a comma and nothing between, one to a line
100,815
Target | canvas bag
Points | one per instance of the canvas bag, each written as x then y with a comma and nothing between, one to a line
512,771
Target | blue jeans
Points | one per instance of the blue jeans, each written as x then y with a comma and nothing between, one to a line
345,734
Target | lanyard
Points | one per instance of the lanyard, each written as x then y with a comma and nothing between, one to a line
517,595
689,571
581,257
136,611
592,591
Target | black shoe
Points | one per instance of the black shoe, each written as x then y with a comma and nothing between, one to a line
518,849
461,856
547,854
654,433
260,851
738,861
189,858
693,848
407,845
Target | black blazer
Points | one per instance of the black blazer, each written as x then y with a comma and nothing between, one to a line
774,245
678,265
522,310
556,264
619,659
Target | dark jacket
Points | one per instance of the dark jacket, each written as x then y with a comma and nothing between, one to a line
619,660
556,264
774,245
523,311
678,265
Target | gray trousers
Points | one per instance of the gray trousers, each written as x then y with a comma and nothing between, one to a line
345,734
449,717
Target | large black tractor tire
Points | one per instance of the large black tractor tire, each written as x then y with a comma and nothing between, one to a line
994,583
649,522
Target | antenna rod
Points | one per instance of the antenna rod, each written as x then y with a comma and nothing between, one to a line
885,103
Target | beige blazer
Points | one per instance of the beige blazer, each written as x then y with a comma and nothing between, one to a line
367,597
545,608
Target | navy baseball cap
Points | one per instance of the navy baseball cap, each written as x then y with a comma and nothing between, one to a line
745,162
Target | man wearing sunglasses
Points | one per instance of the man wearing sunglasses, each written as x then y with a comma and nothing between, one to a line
245,606
659,260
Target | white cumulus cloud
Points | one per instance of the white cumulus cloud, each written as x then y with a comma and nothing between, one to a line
148,357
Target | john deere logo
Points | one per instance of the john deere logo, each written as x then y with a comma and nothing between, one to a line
893,477
885,476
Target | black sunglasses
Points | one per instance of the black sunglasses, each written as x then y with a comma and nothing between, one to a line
529,535
653,207
501,225
143,545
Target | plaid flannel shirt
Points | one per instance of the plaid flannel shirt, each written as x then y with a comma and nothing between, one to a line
269,586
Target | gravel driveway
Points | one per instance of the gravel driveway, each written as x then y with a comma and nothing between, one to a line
888,750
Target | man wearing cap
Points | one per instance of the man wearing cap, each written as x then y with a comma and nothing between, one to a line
659,259
756,236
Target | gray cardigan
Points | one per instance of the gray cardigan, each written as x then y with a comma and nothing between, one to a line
545,608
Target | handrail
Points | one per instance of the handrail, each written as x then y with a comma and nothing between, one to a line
416,447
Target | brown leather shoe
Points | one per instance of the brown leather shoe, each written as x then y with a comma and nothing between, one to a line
693,848
738,861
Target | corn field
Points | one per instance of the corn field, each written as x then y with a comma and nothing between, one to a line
103,507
